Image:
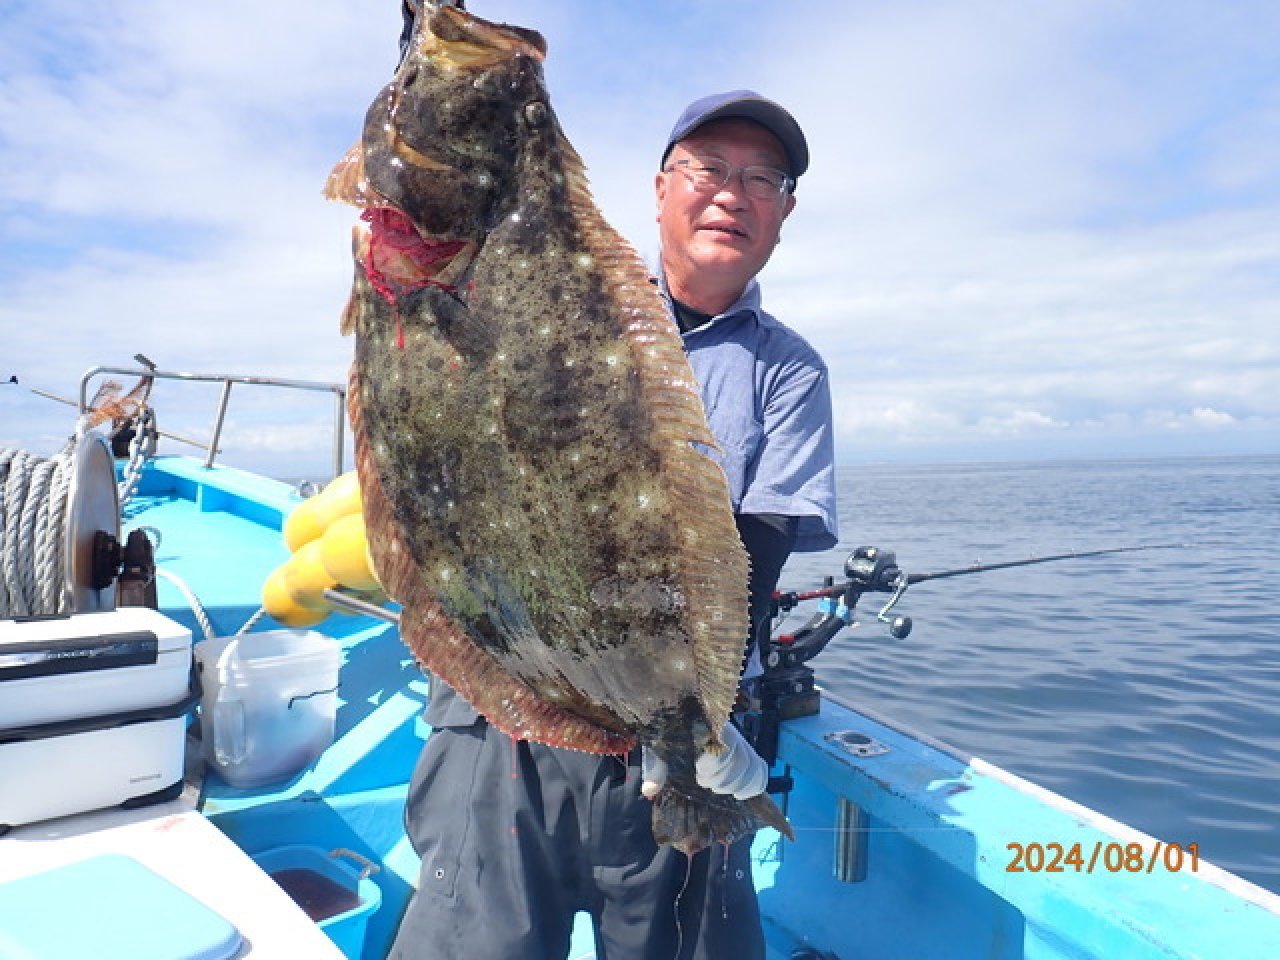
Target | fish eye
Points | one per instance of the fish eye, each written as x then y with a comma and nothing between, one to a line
535,113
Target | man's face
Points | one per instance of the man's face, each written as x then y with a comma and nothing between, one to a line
719,239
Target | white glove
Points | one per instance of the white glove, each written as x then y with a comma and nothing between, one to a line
739,770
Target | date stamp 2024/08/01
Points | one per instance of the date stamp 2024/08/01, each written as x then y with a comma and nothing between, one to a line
1038,857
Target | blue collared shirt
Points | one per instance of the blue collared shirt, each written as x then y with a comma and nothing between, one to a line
768,403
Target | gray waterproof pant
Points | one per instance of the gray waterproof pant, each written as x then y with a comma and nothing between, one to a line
516,837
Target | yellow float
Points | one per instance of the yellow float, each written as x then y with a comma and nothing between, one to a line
330,548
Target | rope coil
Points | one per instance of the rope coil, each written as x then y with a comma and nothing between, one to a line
33,512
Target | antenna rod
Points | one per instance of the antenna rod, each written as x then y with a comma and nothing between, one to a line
172,436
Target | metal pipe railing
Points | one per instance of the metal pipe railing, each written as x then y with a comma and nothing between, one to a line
227,380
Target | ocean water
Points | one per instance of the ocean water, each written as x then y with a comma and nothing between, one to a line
1144,685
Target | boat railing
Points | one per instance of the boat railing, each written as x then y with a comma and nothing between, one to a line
228,380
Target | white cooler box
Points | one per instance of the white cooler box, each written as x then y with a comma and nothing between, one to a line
92,712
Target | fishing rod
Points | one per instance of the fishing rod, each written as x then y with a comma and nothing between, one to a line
872,569
786,688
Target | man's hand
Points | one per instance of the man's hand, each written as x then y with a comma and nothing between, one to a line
739,770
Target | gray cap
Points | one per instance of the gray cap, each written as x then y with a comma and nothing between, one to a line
748,105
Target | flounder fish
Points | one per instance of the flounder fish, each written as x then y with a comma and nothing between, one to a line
528,430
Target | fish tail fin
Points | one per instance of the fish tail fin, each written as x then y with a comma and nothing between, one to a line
768,814
692,819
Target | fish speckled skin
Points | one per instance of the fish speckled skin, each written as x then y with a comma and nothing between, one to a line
526,426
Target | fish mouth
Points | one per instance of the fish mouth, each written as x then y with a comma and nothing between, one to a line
464,41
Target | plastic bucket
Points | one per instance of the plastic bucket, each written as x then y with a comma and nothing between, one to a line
337,897
269,703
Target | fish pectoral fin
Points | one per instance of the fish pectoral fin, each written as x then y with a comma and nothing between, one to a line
347,182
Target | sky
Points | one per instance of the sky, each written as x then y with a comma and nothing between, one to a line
1029,231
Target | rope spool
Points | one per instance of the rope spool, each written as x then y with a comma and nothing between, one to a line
51,510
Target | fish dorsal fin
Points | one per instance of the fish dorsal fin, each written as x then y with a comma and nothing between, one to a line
712,561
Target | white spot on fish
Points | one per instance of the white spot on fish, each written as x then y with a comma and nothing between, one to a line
611,360
680,664
523,264
583,260
575,457
445,574
568,361
545,331
483,179
493,429
643,500
397,162
515,217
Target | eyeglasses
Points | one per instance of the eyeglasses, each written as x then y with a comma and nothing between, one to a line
710,174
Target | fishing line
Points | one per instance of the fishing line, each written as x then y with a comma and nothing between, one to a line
675,907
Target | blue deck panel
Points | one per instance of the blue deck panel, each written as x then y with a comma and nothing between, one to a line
936,881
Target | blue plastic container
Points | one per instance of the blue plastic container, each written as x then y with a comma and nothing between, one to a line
337,896
108,907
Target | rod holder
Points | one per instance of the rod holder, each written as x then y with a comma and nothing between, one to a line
850,863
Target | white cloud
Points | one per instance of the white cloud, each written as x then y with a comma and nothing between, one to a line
1018,422
1024,225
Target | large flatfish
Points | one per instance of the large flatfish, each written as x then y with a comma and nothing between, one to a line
529,436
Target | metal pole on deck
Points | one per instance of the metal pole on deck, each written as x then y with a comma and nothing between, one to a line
217,424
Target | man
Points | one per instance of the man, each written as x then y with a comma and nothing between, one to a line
517,837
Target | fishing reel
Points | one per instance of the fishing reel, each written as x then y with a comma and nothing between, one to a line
786,688
868,570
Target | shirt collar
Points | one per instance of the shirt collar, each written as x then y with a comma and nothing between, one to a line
747,303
